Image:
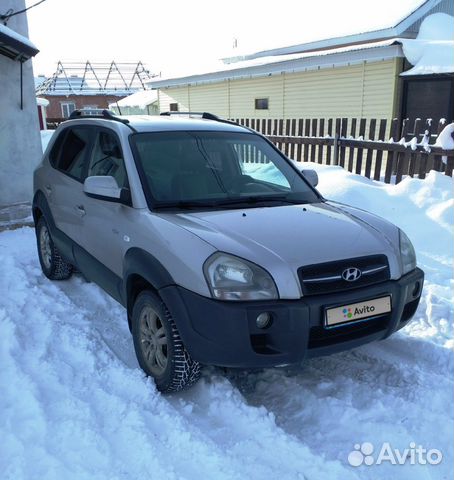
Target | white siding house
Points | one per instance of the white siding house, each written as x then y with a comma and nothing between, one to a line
366,75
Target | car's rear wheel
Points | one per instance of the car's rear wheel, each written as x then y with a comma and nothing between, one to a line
52,263
159,348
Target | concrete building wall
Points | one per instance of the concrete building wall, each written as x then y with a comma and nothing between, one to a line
20,142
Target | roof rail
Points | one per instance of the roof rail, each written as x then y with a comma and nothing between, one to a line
204,115
105,114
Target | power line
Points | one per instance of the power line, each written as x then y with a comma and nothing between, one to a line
8,15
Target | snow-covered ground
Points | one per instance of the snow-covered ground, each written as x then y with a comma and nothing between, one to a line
46,135
75,405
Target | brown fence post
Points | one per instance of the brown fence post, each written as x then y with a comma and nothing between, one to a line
370,152
313,134
321,134
328,148
336,149
436,162
359,153
299,150
379,156
415,158
351,150
343,134
293,133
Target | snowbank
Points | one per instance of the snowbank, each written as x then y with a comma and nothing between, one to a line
445,140
74,405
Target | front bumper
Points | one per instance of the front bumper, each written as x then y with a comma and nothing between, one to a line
225,333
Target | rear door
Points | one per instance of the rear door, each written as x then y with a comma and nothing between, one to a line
64,188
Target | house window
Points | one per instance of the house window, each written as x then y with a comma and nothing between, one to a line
261,104
173,107
67,108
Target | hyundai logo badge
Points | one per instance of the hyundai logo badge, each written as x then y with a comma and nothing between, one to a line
351,274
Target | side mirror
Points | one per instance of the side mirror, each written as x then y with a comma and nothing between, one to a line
103,188
311,177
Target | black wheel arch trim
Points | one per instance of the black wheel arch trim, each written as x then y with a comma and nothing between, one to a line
40,203
138,263
61,240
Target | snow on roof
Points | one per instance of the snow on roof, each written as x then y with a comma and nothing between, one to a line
379,23
139,99
16,36
42,102
280,63
15,46
433,49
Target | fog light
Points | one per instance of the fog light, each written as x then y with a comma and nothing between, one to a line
263,320
416,289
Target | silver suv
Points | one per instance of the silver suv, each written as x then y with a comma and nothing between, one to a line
220,249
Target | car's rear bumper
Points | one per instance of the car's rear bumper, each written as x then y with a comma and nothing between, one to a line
226,334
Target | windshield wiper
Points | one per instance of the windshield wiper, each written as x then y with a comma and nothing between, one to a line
254,199
185,204
240,201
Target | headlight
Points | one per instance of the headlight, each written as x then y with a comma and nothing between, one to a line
232,278
407,253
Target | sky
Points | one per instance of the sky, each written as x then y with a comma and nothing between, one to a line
175,36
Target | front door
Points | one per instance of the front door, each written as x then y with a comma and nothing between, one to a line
102,237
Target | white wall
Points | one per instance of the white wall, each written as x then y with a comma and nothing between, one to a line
20,142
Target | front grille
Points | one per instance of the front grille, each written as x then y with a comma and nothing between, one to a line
322,337
327,277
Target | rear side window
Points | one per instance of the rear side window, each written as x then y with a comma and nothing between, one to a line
73,152
56,148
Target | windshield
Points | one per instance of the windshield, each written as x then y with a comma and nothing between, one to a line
215,169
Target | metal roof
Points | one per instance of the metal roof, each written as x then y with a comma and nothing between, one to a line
96,78
278,64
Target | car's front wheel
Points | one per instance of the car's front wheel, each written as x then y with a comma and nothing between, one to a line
52,263
159,348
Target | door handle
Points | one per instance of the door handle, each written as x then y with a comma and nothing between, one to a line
80,210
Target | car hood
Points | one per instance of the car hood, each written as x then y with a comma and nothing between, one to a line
291,236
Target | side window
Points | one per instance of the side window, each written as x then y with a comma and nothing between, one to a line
107,158
56,149
73,152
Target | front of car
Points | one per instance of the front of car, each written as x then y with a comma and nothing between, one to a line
290,275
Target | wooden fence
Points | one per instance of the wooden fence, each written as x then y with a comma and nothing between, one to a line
390,152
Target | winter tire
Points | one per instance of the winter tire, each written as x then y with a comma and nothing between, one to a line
52,263
159,348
